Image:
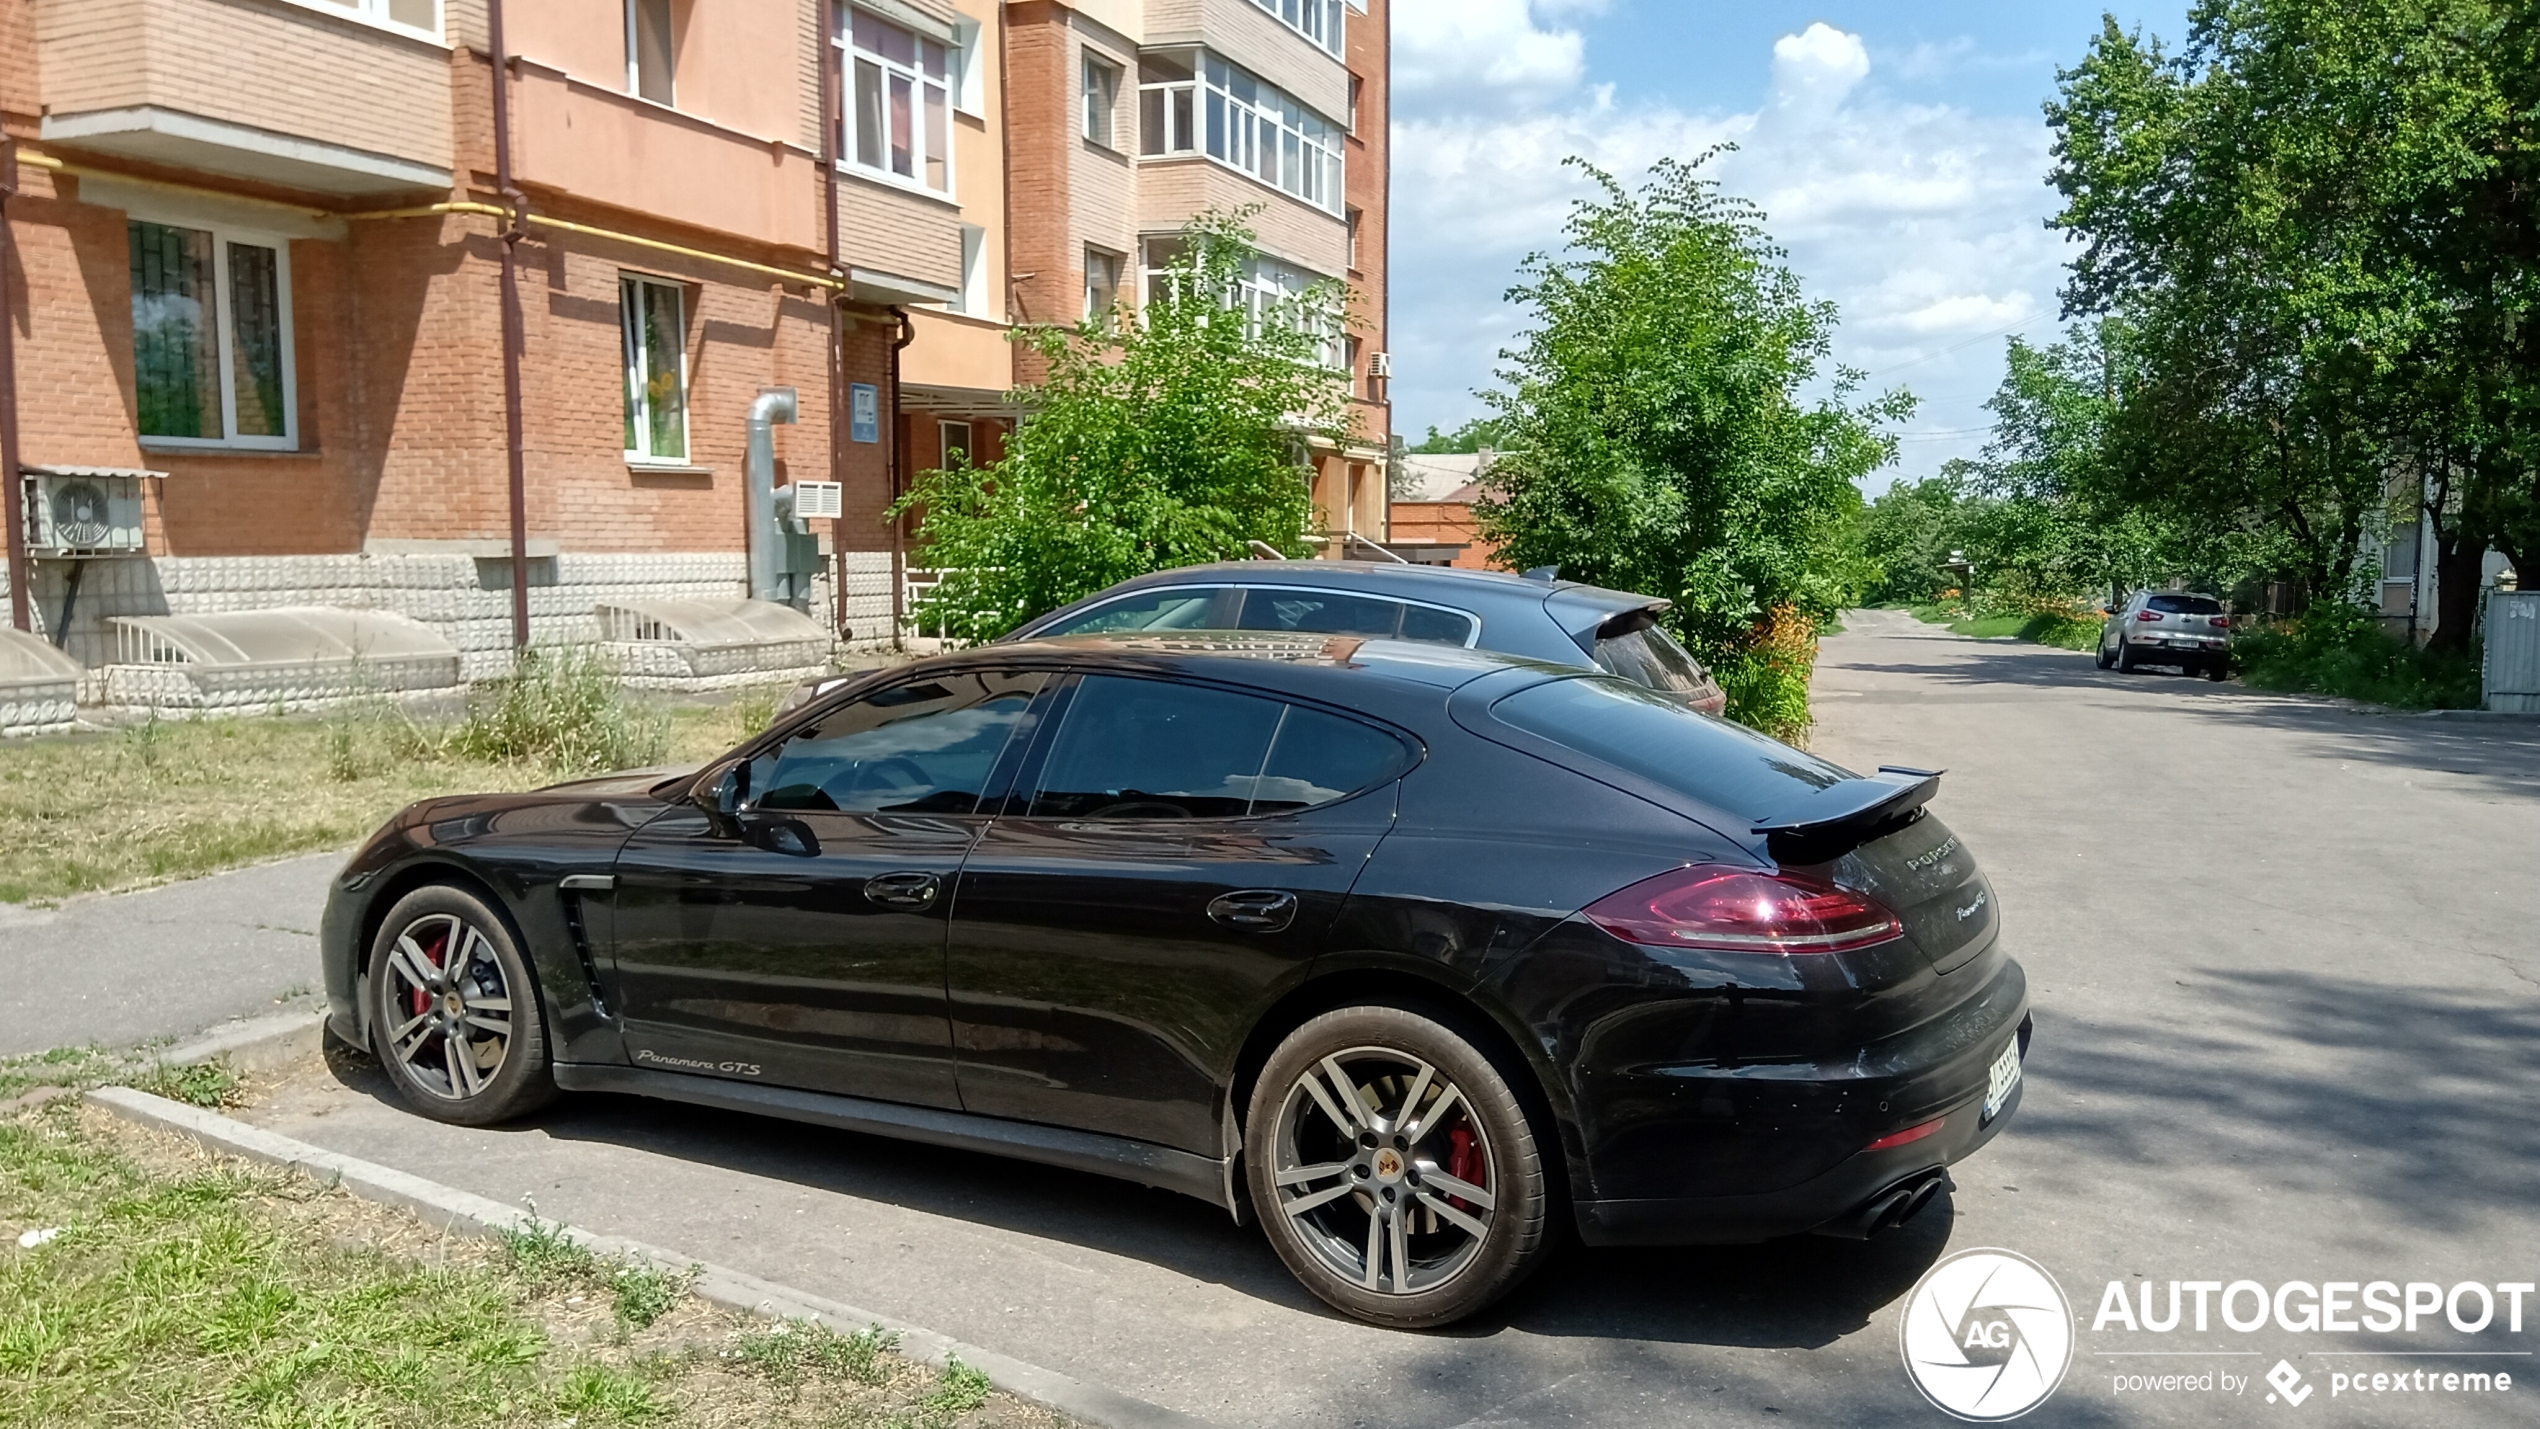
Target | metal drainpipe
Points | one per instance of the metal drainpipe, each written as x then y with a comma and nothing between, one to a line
513,336
777,404
899,524
832,113
12,481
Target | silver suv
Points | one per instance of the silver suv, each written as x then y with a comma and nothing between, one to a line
2168,628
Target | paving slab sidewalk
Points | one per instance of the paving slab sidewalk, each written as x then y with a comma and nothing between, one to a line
116,969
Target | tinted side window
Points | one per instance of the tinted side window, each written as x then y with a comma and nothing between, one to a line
1148,749
1320,614
1320,757
1651,657
922,748
1178,608
1725,765
1441,627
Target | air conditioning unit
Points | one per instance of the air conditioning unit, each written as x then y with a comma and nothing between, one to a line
1380,364
82,511
816,499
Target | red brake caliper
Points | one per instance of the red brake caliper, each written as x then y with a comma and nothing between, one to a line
1464,1161
416,998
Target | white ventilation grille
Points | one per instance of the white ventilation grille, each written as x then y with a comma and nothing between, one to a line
819,499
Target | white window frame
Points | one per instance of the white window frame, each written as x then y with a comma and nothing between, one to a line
973,301
1264,283
953,84
630,333
1308,146
226,342
969,446
375,13
1119,264
1093,63
634,63
1319,22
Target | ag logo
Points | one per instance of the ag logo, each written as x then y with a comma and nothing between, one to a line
1987,1335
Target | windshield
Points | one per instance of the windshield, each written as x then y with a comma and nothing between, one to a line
1644,732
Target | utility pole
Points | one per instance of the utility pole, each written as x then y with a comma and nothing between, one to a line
12,481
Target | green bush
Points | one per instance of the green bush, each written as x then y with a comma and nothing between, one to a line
2340,650
564,709
1767,679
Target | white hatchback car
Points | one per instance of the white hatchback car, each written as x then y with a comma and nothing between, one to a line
2168,628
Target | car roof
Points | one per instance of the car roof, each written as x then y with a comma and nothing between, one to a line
1438,583
1291,661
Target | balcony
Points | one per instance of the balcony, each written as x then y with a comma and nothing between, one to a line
605,146
265,90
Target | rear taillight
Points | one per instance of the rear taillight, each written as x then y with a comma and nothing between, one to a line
1735,910
2219,622
2147,615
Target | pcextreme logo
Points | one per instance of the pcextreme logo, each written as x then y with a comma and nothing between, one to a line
1987,1336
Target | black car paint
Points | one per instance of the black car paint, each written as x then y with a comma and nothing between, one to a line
1697,1096
1554,621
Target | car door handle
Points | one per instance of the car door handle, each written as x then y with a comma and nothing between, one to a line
1255,910
902,890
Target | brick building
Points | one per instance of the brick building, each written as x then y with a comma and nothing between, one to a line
256,255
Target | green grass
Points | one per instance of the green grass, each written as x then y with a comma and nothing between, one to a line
2339,650
203,1084
2061,629
179,1290
168,799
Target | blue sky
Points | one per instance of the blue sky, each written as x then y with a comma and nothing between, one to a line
1898,150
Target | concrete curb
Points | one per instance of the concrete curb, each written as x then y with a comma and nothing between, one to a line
446,1208
258,1044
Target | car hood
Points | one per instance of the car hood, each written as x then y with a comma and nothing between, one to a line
625,784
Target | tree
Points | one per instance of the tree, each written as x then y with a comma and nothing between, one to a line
2322,220
1909,535
1167,438
1661,440
1475,434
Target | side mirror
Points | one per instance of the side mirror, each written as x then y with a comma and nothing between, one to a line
732,791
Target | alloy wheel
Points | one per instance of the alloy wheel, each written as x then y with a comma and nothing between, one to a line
446,986
1384,1171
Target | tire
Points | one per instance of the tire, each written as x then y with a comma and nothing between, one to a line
2218,672
2106,659
1375,1132
2125,657
421,1017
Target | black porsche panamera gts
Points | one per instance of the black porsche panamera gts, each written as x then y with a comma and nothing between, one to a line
1411,952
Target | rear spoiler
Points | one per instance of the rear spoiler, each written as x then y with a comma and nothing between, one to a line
1841,817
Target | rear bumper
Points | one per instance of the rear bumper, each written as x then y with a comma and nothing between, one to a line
1834,1202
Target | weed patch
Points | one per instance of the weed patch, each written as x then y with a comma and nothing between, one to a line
2340,650
182,1289
168,799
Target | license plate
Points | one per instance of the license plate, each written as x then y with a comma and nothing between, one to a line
2001,1081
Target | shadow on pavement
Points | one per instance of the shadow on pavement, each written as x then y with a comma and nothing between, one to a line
2414,1101
1795,1293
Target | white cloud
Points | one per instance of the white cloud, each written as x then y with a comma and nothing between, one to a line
1921,221
1483,53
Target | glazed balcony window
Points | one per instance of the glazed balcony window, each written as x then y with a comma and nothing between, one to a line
211,338
1191,102
421,17
654,318
1317,20
898,120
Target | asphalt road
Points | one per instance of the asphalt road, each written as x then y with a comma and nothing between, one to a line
163,962
2286,966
